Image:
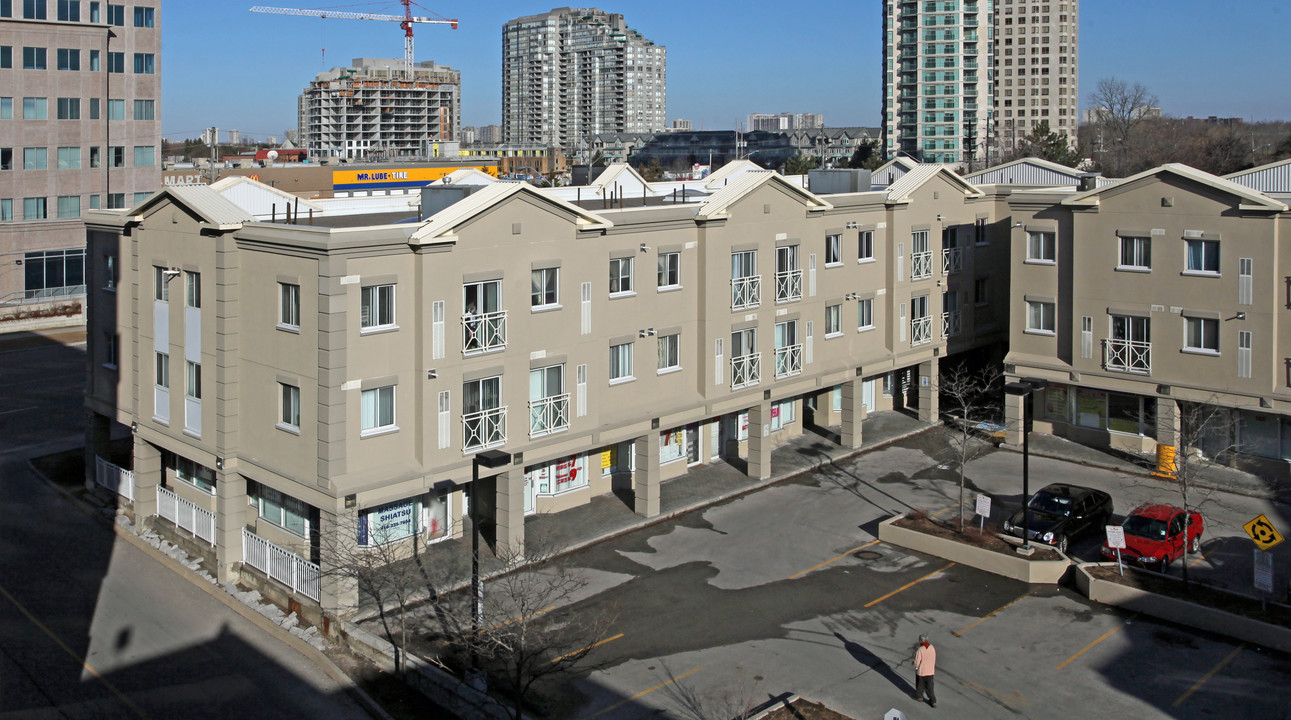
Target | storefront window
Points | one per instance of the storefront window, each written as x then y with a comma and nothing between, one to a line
279,509
672,445
1124,413
557,477
1091,408
1055,403
1259,435
783,413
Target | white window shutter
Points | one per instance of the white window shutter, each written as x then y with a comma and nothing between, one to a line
445,428
581,401
437,333
587,308
902,322
811,275
900,263
1244,354
1087,337
1245,284
811,327
719,362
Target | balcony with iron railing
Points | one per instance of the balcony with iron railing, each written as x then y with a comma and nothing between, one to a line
1130,356
921,265
920,330
484,429
951,323
746,370
484,333
952,260
548,415
746,292
788,361
788,285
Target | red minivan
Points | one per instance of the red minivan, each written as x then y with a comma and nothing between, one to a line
1154,536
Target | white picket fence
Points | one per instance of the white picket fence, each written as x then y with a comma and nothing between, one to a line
117,479
186,516
285,566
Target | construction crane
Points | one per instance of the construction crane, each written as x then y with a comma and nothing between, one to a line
406,22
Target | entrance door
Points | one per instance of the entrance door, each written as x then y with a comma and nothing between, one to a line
530,506
693,454
867,395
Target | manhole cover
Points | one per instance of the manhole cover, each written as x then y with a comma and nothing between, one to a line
867,555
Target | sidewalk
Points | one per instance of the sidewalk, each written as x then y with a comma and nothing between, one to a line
609,515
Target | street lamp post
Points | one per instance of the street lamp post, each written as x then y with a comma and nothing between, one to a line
490,459
1024,389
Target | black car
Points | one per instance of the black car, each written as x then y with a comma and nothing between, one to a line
1060,513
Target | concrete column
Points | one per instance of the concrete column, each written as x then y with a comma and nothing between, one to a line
759,464
853,412
147,475
230,518
508,514
339,594
98,442
646,481
928,396
1169,423
1014,406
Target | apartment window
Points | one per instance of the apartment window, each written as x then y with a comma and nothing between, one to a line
34,108
278,508
192,289
145,64
69,10
69,206
51,273
833,320
981,291
110,274
6,57
548,401
669,270
543,287
6,158
117,159
116,109
979,231
199,476
788,277
1041,247
96,158
746,286
69,108
145,110
1201,335
116,14
621,362
69,59
289,306
1136,253
95,14
94,108
35,158
289,407
620,276
96,63
161,370
144,17
160,284
833,250
1040,317
140,197
865,314
116,201
669,353
484,418
920,255
96,202
33,58
6,209
193,380
116,62
376,309
34,208
865,246
33,9
145,156
6,108
1203,257
377,410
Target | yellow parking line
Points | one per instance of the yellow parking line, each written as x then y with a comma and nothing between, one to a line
872,603
589,647
1101,638
1196,559
992,613
943,511
58,641
620,704
840,557
1208,676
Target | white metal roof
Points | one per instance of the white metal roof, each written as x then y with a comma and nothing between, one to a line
208,204
1253,200
901,190
1272,178
717,205
1027,171
261,200
442,224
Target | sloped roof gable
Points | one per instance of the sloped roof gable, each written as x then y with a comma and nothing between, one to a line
718,205
1249,199
904,188
442,224
207,204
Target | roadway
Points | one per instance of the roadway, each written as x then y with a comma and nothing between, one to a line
90,625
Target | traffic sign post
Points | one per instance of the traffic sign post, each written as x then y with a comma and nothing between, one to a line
1116,539
983,510
1263,576
1262,532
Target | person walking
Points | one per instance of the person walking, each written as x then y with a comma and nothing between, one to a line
925,664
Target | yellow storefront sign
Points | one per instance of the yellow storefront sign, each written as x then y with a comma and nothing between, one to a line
397,177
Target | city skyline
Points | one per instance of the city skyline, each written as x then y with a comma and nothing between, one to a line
757,59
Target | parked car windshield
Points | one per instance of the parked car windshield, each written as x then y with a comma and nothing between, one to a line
1051,504
1145,527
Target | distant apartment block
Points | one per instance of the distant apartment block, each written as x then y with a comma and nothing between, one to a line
962,76
370,111
679,124
80,87
572,73
785,121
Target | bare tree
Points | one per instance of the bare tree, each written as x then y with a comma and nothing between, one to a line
970,398
1206,439
1119,108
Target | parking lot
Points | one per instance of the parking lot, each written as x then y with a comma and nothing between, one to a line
786,590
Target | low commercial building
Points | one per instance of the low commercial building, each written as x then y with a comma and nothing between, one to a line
286,381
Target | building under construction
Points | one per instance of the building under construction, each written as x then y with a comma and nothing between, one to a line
371,111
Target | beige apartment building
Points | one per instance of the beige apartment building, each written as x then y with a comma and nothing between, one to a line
1142,296
80,128
287,381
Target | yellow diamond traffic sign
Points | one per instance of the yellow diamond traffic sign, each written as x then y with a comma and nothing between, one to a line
1263,533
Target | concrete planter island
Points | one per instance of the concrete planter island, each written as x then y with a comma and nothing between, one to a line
992,561
1108,592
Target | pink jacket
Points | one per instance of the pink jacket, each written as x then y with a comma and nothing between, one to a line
925,660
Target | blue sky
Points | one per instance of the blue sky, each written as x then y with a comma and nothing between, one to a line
231,68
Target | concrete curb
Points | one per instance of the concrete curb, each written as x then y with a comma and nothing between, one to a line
310,652
1035,572
1253,631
